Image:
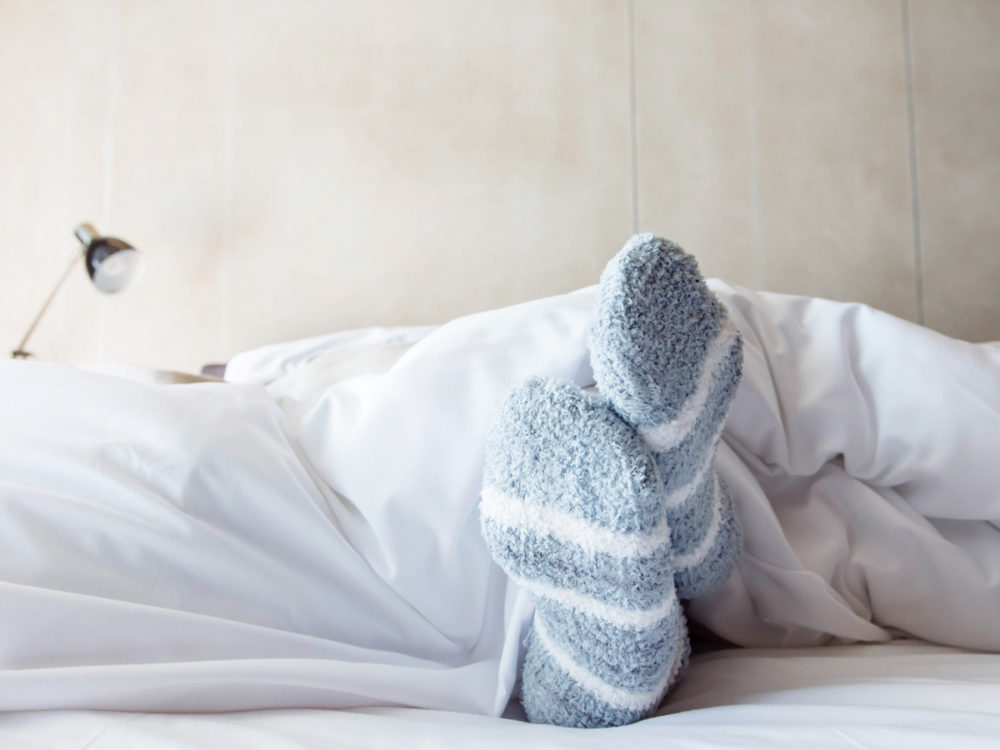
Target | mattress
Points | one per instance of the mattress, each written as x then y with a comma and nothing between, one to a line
903,694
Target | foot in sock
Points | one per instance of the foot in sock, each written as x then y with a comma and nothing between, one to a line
572,510
667,356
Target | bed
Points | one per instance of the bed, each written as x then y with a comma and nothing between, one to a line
291,558
902,694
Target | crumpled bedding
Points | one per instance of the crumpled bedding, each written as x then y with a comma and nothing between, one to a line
307,534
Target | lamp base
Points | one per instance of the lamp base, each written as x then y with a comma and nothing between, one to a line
21,354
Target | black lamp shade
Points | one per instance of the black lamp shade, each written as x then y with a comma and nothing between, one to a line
111,263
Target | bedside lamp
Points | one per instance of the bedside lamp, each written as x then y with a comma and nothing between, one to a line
111,264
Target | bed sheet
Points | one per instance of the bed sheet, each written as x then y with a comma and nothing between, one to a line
904,694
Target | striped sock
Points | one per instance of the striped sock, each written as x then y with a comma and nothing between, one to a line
572,510
667,356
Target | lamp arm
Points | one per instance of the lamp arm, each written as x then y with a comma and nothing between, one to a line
19,352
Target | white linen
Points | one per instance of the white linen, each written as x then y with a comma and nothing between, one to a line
862,452
363,347
223,546
896,695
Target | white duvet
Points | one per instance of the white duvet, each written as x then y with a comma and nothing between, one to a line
308,535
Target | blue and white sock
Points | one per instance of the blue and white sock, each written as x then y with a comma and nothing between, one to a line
572,509
667,356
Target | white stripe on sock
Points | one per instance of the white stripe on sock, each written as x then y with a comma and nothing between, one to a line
621,617
516,513
670,434
679,496
617,698
697,555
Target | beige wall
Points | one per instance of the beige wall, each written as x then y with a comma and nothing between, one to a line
293,167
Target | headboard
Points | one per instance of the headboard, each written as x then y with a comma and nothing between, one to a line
299,167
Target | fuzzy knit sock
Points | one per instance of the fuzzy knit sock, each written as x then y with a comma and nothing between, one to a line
667,356
572,510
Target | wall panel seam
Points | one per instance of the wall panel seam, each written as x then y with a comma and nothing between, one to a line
750,10
633,117
911,134
226,264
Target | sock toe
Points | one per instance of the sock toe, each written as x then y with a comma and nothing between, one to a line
656,323
555,447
